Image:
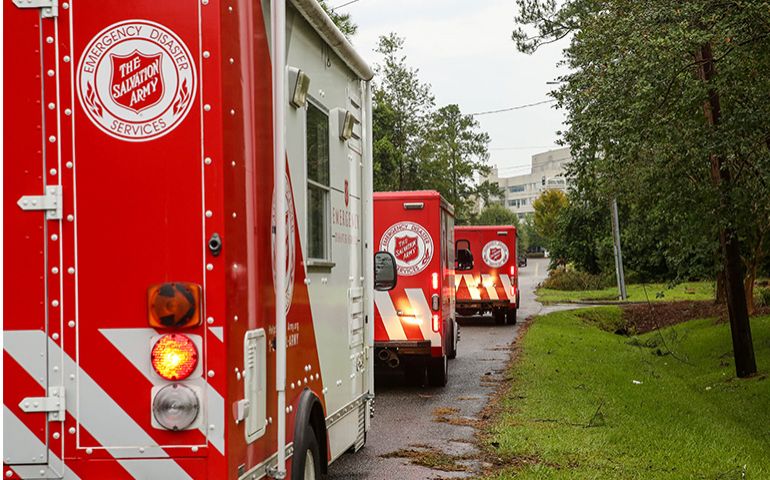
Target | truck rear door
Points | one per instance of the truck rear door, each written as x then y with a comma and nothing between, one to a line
32,305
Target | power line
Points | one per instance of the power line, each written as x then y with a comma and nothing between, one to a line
531,147
345,4
518,107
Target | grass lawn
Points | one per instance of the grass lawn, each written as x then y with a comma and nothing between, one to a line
636,293
588,404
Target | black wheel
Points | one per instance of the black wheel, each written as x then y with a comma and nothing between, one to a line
499,316
414,371
452,349
438,371
306,459
510,317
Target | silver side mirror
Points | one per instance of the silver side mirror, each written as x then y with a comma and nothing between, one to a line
385,273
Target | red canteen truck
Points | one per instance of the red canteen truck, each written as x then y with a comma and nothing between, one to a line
171,310
487,273
415,323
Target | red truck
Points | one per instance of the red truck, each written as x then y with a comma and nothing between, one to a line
188,240
415,323
487,272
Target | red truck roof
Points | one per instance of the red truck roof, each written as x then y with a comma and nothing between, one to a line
416,195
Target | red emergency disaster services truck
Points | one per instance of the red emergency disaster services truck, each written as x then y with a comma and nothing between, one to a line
487,273
415,323
188,240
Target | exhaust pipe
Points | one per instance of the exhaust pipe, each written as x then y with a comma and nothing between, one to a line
389,358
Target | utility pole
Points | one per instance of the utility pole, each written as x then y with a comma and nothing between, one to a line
618,253
740,327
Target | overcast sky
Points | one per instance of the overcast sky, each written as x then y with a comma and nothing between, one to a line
463,48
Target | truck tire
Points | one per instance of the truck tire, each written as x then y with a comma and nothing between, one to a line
306,459
438,371
499,316
452,350
510,317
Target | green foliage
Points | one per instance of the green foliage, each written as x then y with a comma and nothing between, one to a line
496,214
343,21
548,207
534,241
653,292
575,280
763,297
588,404
419,147
636,126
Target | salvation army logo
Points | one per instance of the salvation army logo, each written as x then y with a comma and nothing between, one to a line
411,245
136,80
290,243
495,254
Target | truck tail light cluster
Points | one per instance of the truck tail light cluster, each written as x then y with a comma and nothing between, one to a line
174,355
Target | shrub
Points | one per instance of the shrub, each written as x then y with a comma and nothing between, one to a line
763,297
573,280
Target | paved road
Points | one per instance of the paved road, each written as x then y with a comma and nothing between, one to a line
404,416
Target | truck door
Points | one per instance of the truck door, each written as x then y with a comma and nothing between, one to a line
30,241
138,215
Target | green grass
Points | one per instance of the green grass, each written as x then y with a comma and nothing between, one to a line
636,293
574,410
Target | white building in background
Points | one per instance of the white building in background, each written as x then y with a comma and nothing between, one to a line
548,172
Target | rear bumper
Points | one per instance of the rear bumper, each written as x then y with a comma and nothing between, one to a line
483,304
405,347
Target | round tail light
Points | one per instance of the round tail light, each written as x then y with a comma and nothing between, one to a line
174,356
175,407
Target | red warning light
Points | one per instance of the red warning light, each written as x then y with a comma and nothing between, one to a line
174,356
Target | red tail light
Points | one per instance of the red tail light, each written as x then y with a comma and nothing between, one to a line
434,279
174,356
513,270
436,323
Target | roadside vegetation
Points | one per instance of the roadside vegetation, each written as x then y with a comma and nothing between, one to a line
653,292
587,403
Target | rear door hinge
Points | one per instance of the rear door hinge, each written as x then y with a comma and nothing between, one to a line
51,202
49,8
52,404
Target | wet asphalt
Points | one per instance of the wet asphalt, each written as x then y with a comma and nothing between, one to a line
404,415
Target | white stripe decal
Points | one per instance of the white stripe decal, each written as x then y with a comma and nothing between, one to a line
21,434
218,332
108,423
471,283
389,316
458,280
486,281
133,344
508,287
422,311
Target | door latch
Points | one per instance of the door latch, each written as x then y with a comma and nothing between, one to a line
49,8
52,404
51,202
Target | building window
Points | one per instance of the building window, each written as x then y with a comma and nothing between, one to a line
318,190
516,188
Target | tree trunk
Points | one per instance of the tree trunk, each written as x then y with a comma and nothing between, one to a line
740,327
748,285
721,294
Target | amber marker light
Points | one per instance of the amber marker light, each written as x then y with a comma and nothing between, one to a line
174,356
174,305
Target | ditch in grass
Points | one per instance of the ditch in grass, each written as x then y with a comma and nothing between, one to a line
586,403
654,292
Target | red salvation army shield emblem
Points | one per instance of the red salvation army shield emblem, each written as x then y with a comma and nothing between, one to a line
411,245
495,254
406,248
136,82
